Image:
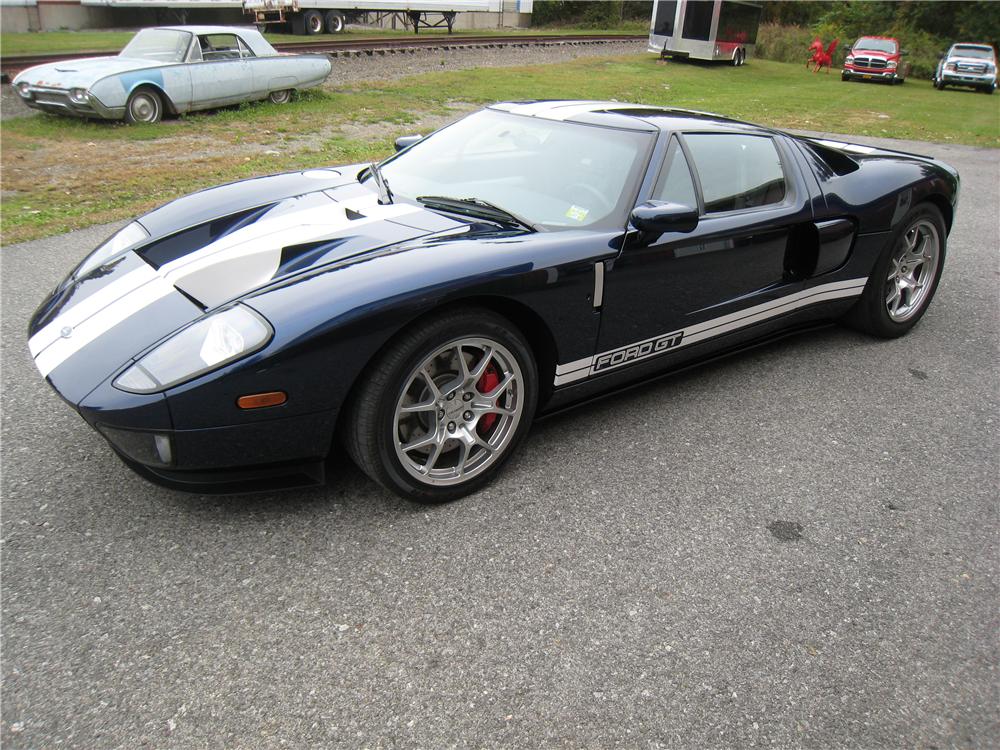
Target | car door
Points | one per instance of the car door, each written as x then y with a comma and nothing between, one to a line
664,293
224,75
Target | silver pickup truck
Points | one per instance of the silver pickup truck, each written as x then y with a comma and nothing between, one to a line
964,64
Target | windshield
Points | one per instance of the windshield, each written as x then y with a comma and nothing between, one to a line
877,45
163,45
551,174
983,53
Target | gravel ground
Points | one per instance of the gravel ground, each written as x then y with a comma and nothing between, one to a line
796,547
399,65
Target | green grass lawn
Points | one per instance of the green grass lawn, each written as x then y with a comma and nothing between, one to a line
57,174
42,42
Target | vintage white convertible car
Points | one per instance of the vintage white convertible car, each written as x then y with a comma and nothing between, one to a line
171,69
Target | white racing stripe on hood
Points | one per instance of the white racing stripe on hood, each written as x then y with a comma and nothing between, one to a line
250,257
93,304
100,323
234,265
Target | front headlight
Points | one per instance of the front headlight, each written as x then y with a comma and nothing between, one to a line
891,64
207,345
951,66
849,59
116,245
24,89
79,96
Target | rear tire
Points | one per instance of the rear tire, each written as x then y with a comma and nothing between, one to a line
905,277
313,21
334,21
280,97
444,407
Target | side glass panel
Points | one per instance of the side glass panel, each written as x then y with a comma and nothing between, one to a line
244,50
663,21
738,23
737,171
674,184
219,47
698,19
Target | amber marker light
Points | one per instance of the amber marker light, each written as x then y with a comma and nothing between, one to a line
260,400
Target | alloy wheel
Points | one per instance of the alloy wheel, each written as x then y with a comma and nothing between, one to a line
912,270
458,411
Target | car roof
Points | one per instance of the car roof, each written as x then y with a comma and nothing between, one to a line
209,29
624,115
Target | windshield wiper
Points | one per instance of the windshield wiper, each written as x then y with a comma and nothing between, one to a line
384,193
475,207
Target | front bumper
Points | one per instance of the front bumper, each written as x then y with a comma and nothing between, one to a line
866,74
271,451
58,102
952,78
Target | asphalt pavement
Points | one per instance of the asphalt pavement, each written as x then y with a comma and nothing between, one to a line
796,547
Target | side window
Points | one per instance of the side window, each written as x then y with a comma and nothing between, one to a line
245,51
737,171
674,184
219,47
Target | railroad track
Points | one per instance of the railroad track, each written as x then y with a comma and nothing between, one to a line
11,65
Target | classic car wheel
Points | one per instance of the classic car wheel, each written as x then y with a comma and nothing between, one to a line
334,22
314,22
144,105
905,277
445,407
280,97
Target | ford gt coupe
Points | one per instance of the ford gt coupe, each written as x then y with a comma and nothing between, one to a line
421,312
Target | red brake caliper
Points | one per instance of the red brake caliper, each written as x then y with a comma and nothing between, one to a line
486,384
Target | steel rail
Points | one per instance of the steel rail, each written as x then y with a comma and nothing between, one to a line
12,64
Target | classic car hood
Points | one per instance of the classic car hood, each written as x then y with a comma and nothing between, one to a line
94,324
71,74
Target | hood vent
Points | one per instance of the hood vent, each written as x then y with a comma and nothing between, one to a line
175,246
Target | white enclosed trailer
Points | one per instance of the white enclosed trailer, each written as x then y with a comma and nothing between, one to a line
319,16
704,29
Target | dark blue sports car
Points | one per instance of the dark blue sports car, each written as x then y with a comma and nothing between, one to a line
421,312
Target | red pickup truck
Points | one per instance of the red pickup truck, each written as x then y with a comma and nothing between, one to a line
874,58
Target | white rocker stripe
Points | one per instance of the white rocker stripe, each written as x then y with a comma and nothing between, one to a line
582,368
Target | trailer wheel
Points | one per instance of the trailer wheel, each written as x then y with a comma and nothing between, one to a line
334,22
313,20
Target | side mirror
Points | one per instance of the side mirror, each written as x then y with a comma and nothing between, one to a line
904,52
660,217
406,141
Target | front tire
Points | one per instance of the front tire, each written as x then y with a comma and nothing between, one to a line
144,105
905,277
446,405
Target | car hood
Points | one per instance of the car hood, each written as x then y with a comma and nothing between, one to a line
969,60
78,74
873,53
94,324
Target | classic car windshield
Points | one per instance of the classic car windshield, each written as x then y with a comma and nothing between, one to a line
877,45
550,173
163,45
983,53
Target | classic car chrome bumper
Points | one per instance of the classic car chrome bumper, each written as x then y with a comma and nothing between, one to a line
58,101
